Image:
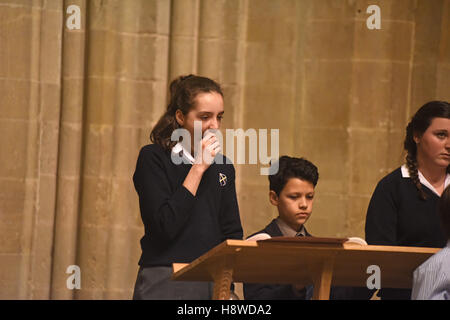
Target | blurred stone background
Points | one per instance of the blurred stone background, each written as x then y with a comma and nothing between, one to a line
77,105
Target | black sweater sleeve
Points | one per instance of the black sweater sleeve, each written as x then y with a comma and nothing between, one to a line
229,213
381,219
162,208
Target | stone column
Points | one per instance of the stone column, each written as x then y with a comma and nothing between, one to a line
184,24
125,95
70,153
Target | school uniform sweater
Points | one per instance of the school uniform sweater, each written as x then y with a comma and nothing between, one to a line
398,217
179,227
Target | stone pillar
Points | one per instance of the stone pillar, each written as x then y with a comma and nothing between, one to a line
125,95
184,24
30,73
70,154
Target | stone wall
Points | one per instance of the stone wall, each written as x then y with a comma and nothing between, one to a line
77,105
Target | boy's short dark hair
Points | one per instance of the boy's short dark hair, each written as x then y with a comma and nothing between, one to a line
289,167
444,210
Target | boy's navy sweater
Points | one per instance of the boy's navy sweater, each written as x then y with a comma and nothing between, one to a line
179,227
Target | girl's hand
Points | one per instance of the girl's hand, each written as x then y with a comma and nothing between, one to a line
210,147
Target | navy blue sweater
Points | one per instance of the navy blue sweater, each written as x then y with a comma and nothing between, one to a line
398,217
179,227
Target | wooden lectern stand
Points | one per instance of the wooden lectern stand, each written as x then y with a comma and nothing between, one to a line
321,262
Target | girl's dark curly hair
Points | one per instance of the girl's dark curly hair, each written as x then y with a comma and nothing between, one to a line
289,167
416,127
183,91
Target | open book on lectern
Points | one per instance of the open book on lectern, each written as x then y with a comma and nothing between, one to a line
335,241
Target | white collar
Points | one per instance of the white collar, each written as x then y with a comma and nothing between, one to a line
185,154
405,174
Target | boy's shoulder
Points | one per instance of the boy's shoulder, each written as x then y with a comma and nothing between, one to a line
271,229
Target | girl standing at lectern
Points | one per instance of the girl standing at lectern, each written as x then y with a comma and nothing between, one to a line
187,198
403,208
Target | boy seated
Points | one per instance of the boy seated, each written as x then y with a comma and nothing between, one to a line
292,192
431,280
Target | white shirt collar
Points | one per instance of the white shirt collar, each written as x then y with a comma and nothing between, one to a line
405,174
185,154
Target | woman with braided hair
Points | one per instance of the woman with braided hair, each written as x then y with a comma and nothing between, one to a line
403,208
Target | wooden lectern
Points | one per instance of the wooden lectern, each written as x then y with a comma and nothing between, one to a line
321,262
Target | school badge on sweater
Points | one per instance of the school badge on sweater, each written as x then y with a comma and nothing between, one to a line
222,179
